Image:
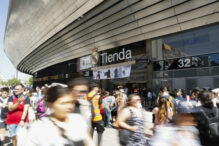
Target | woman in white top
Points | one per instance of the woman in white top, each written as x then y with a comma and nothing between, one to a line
62,127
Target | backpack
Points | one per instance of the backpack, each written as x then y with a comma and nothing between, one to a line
212,125
4,111
170,108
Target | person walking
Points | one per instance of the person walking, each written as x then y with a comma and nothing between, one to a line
41,108
3,113
132,120
163,112
208,120
120,102
181,132
97,119
18,105
62,127
107,105
79,89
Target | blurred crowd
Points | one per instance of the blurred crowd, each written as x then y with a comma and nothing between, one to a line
68,115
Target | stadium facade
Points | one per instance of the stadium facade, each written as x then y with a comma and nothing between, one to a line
135,43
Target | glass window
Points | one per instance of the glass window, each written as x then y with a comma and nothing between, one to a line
185,73
214,59
201,61
157,83
191,43
158,65
168,74
215,71
203,72
158,74
168,64
216,82
190,84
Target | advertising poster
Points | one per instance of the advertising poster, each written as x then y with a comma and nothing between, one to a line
112,73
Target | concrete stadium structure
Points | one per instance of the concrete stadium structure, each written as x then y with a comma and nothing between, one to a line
44,33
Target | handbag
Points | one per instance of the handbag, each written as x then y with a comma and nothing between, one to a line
124,135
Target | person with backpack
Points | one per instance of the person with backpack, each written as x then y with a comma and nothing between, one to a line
163,112
41,108
180,132
208,120
18,105
3,113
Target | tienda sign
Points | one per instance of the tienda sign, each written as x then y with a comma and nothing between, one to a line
93,59
123,55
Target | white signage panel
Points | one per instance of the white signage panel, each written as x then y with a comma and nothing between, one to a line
85,62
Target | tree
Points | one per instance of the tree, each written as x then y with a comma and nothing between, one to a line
3,83
29,81
13,82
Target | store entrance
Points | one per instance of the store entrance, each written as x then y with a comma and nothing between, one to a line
132,87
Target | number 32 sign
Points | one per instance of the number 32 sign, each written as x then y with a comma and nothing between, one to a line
184,62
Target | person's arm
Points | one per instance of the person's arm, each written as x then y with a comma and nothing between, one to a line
11,106
101,102
24,115
112,101
123,116
155,112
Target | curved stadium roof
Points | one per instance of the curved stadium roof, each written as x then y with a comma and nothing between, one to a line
41,33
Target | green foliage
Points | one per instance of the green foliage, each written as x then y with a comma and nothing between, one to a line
4,83
13,82
29,81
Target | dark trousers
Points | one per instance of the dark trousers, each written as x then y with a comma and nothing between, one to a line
99,125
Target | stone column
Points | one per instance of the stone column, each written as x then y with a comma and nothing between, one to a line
149,71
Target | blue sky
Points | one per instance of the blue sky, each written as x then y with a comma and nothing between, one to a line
7,70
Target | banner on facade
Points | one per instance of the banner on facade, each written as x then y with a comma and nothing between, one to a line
112,73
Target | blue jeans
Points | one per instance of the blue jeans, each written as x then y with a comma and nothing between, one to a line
13,128
107,117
